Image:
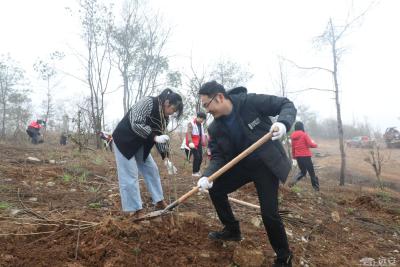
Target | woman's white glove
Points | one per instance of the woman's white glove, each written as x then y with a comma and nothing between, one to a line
281,130
191,145
161,139
203,184
170,167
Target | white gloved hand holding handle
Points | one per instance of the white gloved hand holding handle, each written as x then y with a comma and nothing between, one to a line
191,145
161,139
280,132
203,184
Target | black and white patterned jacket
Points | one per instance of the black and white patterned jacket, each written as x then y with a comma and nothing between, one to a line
140,125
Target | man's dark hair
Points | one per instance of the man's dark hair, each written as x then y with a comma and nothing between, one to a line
201,115
299,126
212,88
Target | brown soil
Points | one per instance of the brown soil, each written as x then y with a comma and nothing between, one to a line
67,213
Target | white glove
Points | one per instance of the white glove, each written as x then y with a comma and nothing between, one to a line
161,139
170,167
203,184
191,145
280,132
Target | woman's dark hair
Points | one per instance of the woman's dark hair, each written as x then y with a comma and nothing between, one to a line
212,88
173,99
201,115
299,126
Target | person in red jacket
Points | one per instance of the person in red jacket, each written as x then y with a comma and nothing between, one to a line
301,144
33,131
195,140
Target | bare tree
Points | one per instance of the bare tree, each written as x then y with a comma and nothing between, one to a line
125,46
138,45
19,113
47,72
96,25
376,159
10,78
194,81
332,38
230,74
151,61
281,83
283,79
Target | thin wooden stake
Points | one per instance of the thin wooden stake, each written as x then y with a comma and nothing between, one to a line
77,241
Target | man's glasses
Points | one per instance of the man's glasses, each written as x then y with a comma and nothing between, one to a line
205,105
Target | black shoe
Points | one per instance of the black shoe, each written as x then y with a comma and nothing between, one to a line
226,235
283,262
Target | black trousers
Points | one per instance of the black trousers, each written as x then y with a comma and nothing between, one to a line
306,165
188,154
197,158
34,134
63,140
267,189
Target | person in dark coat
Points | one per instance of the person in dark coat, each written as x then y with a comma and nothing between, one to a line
301,144
33,131
63,139
240,119
143,126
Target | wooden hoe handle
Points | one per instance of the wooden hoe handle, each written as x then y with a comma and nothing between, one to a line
229,165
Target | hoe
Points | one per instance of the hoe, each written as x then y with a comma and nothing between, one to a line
213,177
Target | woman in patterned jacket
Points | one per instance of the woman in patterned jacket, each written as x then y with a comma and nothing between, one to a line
143,126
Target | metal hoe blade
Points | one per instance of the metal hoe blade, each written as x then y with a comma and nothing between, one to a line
151,215
158,213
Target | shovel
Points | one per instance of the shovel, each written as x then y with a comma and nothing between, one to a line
213,177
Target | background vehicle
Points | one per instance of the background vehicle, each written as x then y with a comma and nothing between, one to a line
392,137
360,142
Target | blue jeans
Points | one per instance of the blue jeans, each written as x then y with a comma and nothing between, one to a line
128,178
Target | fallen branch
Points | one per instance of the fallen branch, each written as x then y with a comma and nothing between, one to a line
26,209
37,240
102,177
37,233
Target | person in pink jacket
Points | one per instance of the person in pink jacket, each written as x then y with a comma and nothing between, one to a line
301,144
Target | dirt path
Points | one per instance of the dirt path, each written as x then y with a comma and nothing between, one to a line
359,171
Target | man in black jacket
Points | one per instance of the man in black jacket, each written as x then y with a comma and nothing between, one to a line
240,119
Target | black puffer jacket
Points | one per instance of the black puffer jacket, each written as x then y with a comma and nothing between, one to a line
253,111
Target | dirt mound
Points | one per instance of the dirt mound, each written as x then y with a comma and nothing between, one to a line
367,202
178,240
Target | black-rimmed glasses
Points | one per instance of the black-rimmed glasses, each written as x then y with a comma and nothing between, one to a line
209,102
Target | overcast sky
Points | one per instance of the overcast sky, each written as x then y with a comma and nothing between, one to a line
251,32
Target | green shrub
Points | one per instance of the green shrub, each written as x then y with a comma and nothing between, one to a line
95,205
4,205
66,178
384,196
350,210
296,189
